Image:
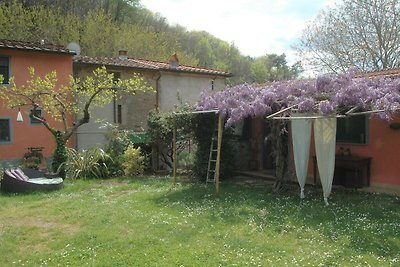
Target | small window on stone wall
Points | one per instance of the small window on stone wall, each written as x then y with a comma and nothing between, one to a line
5,69
119,114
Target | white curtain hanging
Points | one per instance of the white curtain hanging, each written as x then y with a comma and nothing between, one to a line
325,145
301,135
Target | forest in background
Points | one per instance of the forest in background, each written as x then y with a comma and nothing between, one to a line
102,27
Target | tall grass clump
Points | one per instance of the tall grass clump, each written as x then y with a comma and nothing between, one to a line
89,163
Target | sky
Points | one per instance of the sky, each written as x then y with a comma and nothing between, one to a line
256,27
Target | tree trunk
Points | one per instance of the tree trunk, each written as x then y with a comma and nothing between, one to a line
281,153
59,154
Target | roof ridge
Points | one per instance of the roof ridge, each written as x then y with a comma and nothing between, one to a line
190,66
376,73
152,64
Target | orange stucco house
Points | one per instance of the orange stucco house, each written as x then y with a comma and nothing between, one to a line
15,59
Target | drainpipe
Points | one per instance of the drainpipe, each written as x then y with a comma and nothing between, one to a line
157,89
157,156
114,109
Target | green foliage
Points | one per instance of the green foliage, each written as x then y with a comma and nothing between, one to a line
200,128
272,67
186,160
118,142
133,161
86,164
160,131
204,127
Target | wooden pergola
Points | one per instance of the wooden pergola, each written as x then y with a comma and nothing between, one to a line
219,142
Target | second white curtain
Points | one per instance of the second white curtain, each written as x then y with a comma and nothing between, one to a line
325,145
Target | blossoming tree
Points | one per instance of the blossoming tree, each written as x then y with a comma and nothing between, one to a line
78,97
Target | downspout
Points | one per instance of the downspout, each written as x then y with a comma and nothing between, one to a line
114,109
157,89
156,160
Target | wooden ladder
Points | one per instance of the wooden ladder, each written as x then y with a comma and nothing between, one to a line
213,157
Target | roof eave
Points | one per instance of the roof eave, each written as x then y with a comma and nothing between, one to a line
38,50
198,72
153,69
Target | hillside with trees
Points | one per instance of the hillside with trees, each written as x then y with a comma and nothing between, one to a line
102,27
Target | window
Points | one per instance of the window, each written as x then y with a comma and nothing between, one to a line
119,114
38,113
5,130
117,76
5,69
352,130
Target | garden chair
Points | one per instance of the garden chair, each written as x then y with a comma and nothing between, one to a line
28,180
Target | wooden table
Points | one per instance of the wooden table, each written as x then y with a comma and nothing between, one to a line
350,171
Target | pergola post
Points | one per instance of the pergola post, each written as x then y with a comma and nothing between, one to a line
217,164
174,152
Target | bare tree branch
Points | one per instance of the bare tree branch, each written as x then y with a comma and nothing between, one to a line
357,33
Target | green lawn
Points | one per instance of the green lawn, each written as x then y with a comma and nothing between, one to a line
152,222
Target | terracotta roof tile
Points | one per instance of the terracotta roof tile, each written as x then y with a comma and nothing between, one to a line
389,73
146,64
131,63
31,46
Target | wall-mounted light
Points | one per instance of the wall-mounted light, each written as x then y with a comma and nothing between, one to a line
19,116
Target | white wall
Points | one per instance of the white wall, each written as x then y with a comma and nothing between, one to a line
188,86
136,108
91,134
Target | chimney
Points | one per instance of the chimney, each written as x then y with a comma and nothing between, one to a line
123,54
174,61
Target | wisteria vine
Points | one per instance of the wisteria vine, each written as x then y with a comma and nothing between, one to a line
325,95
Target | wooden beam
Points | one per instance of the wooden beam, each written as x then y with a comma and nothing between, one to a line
197,112
366,112
219,143
174,152
310,117
281,111
351,110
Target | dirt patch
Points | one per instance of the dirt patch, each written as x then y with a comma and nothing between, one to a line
38,238
122,192
40,223
251,181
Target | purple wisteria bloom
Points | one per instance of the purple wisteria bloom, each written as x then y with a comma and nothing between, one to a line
323,95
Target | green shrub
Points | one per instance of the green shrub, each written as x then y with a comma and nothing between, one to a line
89,163
203,130
133,161
118,142
186,160
160,132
